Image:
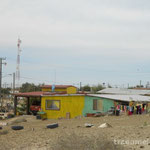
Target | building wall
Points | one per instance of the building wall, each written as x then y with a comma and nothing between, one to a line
49,90
69,90
107,103
72,104
103,105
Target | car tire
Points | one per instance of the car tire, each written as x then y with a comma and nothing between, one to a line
52,126
17,127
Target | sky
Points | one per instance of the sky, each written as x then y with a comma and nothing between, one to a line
68,42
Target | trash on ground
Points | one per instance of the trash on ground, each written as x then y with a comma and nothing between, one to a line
88,125
105,125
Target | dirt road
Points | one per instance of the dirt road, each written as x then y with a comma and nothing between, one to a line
129,132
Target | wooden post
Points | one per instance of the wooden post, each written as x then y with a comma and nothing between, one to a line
147,108
15,105
28,105
68,115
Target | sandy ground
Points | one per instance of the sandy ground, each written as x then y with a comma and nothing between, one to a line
127,132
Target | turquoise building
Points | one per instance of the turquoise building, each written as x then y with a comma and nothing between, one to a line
95,103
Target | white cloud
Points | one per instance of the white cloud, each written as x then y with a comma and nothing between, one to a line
113,30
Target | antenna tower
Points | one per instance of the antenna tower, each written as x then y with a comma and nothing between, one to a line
18,62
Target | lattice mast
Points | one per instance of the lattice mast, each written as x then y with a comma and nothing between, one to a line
18,62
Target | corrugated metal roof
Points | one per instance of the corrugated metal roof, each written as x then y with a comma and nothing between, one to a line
123,91
127,98
41,93
38,94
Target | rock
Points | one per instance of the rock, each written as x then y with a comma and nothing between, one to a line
138,133
88,125
141,146
105,125
64,127
3,123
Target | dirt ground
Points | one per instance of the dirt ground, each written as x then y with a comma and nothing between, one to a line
127,132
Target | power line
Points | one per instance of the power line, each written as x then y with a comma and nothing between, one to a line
34,79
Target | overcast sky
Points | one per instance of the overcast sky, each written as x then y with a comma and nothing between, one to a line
88,41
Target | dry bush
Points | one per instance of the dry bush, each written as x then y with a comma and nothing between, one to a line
80,142
3,132
18,120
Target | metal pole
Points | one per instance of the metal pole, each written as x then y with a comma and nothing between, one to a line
140,83
1,63
13,83
80,86
1,82
28,105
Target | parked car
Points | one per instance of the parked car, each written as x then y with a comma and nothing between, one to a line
35,107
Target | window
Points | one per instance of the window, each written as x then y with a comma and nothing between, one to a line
53,104
95,104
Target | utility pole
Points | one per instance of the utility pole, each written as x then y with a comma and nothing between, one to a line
13,83
1,63
80,86
18,62
140,83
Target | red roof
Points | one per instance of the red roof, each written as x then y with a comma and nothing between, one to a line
38,94
57,86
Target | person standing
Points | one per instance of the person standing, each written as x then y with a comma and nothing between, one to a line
137,109
140,110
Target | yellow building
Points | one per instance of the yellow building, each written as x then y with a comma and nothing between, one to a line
62,106
60,102
68,89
